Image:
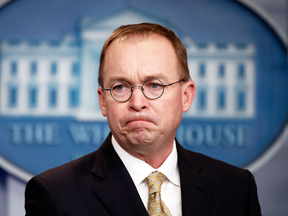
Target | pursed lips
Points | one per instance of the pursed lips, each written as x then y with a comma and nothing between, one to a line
139,119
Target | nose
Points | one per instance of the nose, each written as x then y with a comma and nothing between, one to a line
137,100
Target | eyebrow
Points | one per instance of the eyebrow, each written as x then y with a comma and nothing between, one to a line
124,78
116,78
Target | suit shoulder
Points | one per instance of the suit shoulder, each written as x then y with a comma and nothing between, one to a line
82,167
78,166
215,168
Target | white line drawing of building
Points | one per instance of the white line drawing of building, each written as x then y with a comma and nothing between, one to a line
59,78
40,78
225,79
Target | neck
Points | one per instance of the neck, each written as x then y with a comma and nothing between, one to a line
152,153
154,158
155,163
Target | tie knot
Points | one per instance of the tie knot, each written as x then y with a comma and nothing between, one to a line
154,181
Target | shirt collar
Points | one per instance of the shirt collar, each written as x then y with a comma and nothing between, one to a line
139,169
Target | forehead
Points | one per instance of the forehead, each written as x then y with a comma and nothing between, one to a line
141,57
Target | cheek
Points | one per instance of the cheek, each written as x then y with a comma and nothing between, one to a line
175,104
114,112
176,109
170,111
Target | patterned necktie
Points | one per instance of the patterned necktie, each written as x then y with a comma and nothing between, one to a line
156,207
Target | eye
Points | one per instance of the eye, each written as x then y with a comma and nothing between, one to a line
120,86
154,85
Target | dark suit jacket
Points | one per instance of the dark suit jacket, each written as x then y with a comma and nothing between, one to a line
98,184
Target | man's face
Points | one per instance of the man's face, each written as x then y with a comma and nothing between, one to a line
140,125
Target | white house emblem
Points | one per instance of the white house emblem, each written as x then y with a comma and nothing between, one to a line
48,90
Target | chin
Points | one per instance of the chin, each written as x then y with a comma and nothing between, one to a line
142,137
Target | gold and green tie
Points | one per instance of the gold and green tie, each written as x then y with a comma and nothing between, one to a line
156,207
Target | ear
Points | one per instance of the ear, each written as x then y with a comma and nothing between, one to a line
101,98
189,91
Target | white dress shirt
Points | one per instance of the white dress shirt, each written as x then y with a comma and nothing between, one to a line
139,170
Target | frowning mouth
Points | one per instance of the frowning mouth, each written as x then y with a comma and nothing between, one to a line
139,121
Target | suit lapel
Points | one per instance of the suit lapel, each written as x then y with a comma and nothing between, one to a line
196,191
115,188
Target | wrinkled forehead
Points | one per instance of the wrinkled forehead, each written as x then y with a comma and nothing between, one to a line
148,57
125,43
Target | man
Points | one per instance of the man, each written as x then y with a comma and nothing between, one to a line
141,169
